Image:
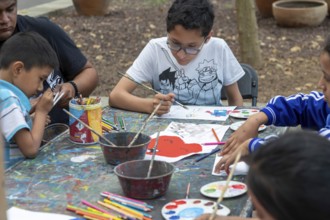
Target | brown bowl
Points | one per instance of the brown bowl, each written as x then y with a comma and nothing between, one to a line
121,153
133,179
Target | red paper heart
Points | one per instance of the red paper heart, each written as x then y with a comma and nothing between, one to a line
173,146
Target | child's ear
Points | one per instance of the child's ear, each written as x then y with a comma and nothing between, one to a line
17,68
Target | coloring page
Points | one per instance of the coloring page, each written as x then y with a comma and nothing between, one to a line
214,113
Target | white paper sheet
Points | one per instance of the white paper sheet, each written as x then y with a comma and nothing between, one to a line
197,133
15,213
241,168
189,134
214,113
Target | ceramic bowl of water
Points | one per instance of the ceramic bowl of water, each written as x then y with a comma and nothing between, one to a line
120,153
134,180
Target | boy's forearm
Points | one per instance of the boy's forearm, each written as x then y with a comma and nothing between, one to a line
29,141
131,102
38,128
257,119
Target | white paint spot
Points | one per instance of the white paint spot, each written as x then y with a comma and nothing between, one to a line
81,158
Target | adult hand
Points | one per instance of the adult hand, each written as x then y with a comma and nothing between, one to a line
69,93
167,101
229,159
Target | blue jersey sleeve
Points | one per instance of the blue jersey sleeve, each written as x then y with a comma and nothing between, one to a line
308,110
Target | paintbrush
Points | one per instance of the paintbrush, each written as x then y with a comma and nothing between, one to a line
145,123
57,98
231,173
149,88
153,155
188,190
89,128
215,150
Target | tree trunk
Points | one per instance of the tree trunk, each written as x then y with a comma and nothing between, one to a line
248,33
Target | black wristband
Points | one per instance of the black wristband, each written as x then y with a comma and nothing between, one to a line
76,92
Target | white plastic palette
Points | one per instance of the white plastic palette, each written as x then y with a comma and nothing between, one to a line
243,113
214,189
236,125
189,209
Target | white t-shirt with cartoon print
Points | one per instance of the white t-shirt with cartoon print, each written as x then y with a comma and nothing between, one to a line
197,83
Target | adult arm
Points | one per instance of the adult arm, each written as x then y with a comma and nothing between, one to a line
85,82
121,97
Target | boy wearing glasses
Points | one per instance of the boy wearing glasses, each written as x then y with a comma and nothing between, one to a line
189,65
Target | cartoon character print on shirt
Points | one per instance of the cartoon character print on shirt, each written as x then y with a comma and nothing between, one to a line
202,90
53,80
166,81
209,84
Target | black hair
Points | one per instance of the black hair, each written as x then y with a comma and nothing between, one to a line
191,14
30,48
290,176
168,75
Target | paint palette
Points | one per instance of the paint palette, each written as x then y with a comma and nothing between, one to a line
189,209
236,125
243,113
214,189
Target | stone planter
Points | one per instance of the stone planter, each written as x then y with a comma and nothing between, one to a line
299,13
265,7
91,7
328,2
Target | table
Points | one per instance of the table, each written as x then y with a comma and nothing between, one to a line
52,180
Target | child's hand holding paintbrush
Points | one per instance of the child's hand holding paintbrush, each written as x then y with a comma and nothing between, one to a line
122,97
167,101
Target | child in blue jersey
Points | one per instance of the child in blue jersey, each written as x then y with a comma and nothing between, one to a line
311,111
26,60
289,179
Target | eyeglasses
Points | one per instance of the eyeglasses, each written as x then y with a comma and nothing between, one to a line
188,50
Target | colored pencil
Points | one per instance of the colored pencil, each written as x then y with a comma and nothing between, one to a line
110,123
93,206
121,123
124,124
115,119
128,209
215,150
127,202
214,143
215,135
83,212
89,128
128,199
149,88
120,211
